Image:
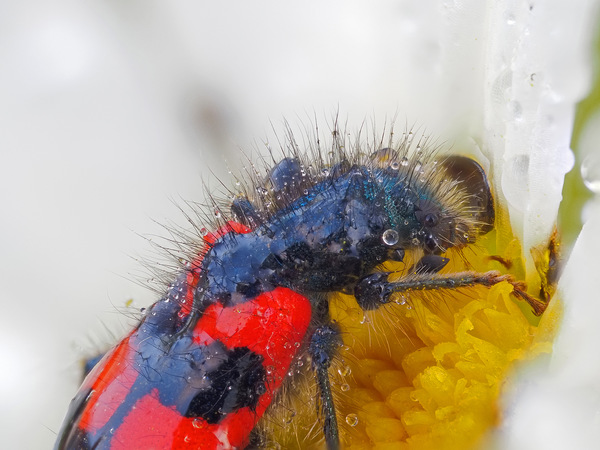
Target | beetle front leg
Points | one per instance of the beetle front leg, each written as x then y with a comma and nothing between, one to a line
375,290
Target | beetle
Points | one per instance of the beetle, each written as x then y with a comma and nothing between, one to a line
207,359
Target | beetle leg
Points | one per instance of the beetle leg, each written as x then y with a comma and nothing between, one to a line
375,290
324,344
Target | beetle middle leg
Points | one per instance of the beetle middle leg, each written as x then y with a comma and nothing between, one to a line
324,344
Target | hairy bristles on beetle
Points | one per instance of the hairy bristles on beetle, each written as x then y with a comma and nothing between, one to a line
453,198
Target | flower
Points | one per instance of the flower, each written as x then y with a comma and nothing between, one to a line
458,66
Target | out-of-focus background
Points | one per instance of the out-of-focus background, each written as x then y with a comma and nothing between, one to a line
111,113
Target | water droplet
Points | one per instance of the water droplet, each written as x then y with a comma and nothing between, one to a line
395,165
197,423
590,172
390,237
415,242
142,310
345,387
345,371
404,161
352,419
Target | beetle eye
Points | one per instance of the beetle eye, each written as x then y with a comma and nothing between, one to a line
430,220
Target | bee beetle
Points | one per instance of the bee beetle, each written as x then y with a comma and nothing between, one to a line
206,360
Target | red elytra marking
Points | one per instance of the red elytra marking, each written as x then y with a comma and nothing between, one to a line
238,425
230,226
150,424
271,325
107,395
194,275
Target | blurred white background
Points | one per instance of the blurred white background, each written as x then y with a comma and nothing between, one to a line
111,110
